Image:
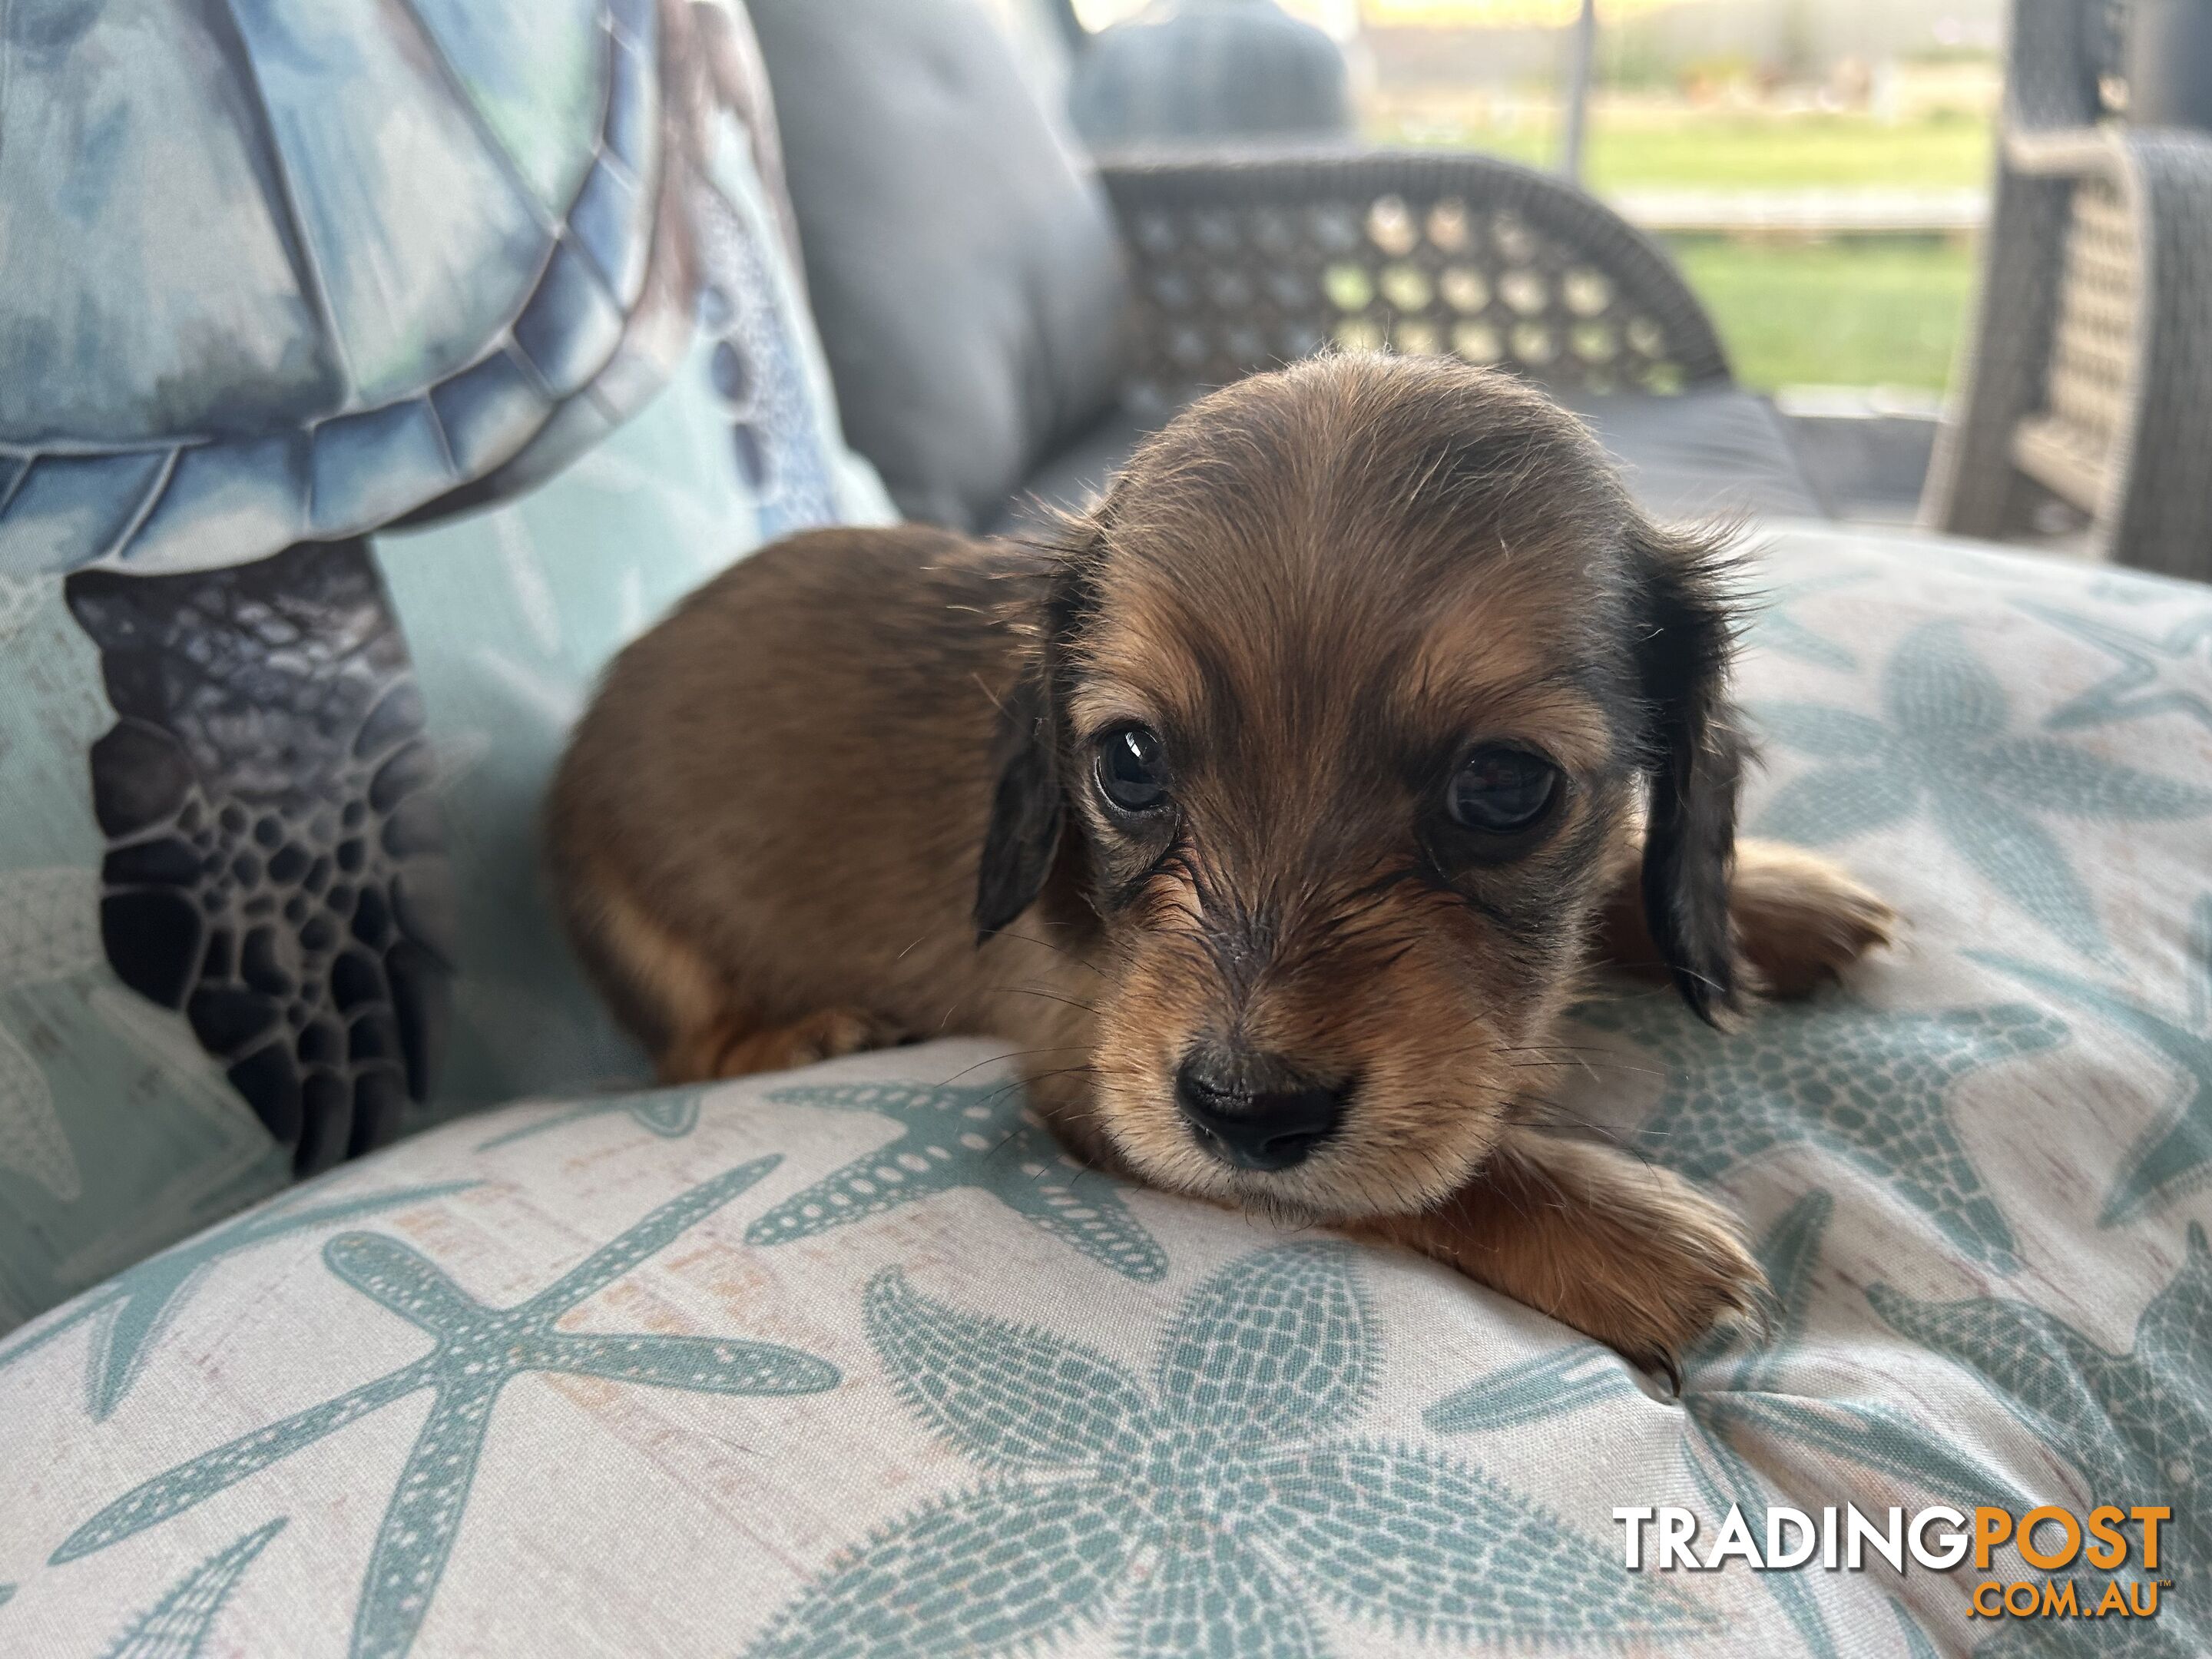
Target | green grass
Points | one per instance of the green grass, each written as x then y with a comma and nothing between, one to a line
1862,311
1751,152
1645,148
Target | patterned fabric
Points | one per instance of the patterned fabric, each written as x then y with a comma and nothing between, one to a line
511,614
319,265
277,865
267,798
850,1363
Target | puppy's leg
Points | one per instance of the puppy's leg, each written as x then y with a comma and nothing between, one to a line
1798,919
730,1045
1624,1251
665,987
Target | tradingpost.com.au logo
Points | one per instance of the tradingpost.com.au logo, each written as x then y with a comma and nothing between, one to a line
2051,1540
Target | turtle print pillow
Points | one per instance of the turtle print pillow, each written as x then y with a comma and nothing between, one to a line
291,628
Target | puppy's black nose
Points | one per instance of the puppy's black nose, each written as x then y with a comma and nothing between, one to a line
1255,1111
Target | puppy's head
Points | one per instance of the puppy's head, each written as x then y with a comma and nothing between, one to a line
1342,706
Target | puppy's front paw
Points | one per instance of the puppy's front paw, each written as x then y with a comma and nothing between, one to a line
1799,920
1621,1249
1668,1268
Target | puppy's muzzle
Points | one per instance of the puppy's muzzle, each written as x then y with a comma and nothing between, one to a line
1256,1111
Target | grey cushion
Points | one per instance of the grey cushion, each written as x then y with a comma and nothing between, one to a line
1866,455
964,263
1701,454
1073,479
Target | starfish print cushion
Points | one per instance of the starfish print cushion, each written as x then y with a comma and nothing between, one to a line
853,1361
570,1378
280,708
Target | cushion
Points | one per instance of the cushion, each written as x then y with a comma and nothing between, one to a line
511,614
849,1361
285,275
1708,452
267,856
1075,478
971,331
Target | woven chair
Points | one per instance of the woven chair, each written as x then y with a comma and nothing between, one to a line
1238,265
976,292
2087,368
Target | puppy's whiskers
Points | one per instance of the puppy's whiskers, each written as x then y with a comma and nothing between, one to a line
1014,1054
1038,991
1061,951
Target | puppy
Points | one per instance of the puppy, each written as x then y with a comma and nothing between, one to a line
1277,812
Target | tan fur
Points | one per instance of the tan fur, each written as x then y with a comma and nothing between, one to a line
767,830
730,1045
1800,921
1626,1251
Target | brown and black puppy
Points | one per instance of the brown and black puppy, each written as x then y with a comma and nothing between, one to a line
1277,813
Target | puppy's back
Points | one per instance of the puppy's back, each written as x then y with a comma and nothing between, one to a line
787,771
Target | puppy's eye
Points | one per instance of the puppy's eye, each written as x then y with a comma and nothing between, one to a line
1499,791
1132,773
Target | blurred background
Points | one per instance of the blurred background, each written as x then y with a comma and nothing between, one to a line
1819,167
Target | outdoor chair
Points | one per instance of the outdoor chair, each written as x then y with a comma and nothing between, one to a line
1006,342
2087,368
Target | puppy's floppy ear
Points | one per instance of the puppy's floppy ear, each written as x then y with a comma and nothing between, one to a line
1028,804
1026,813
1684,639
